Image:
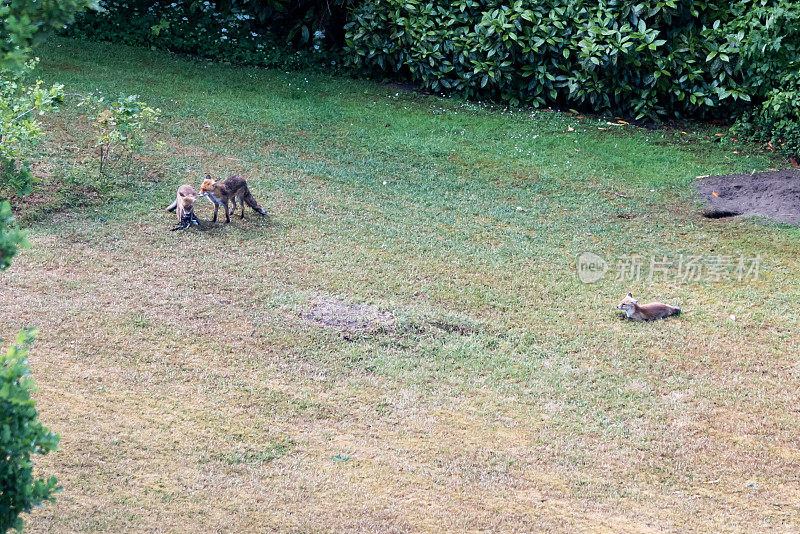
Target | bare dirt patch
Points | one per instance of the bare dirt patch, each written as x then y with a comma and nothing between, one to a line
353,318
774,194
343,315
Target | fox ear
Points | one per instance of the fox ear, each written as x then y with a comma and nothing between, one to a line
208,176
630,295
636,301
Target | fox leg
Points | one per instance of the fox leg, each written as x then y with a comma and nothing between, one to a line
216,208
227,213
241,202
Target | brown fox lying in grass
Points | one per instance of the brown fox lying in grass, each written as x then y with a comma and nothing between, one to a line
646,312
184,206
231,189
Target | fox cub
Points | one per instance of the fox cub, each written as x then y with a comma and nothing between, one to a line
184,206
231,189
646,312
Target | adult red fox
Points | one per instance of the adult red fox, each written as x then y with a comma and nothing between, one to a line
231,189
646,312
184,206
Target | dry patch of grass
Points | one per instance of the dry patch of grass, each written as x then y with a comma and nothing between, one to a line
336,313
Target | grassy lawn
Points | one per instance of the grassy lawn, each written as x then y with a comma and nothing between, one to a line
208,380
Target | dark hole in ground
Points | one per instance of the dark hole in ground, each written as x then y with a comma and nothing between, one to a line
774,194
719,214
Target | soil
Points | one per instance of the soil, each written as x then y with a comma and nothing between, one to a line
774,194
334,313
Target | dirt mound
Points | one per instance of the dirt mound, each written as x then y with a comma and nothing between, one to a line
774,194
335,313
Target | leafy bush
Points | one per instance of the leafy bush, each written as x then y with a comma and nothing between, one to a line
21,436
20,103
645,59
23,23
765,34
777,121
121,125
771,72
11,238
243,32
299,22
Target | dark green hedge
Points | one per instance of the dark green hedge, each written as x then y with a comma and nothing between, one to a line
776,121
667,58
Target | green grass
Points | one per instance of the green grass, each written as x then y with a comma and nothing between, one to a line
502,393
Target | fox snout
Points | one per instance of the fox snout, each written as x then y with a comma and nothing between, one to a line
207,185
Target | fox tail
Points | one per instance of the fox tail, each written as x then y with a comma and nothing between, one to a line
251,201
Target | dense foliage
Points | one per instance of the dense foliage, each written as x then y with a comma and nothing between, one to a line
268,33
771,72
20,103
21,436
121,125
11,238
777,120
23,23
297,21
643,58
